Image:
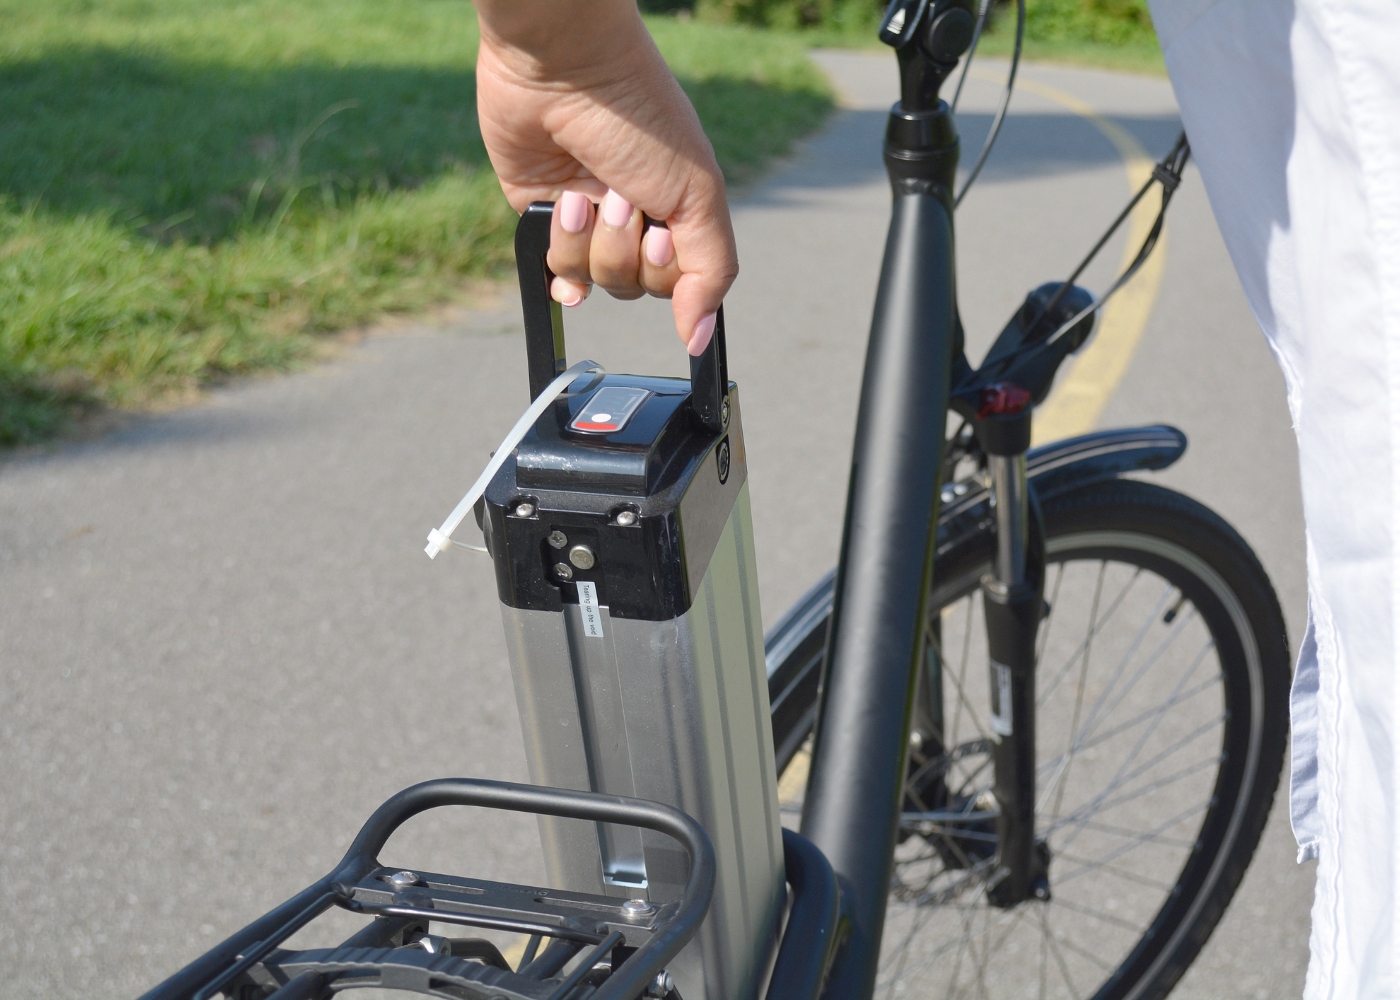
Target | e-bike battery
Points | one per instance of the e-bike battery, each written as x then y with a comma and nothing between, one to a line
623,548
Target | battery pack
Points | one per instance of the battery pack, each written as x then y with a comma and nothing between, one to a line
623,547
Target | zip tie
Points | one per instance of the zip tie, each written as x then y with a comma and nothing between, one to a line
440,539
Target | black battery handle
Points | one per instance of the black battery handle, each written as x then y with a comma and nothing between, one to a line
544,318
544,324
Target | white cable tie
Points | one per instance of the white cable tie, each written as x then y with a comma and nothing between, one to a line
440,539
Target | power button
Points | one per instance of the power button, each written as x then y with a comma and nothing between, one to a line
609,409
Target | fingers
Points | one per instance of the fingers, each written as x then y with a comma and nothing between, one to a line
614,256
659,268
570,234
609,246
693,262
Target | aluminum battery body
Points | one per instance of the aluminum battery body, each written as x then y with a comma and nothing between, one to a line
643,673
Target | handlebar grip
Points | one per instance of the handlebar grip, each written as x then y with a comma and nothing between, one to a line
544,325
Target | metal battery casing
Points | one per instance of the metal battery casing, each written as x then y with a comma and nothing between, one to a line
670,702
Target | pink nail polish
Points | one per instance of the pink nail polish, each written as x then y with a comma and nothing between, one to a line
659,246
700,339
573,211
617,210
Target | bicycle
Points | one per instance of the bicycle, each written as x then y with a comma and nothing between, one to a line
952,813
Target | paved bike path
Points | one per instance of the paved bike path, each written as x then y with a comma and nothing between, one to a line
221,645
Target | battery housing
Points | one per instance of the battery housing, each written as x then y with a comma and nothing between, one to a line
656,688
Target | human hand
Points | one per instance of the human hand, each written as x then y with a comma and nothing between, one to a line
576,105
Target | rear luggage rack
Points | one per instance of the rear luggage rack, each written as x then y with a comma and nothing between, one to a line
624,944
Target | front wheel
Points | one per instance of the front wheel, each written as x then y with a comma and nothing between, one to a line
1162,684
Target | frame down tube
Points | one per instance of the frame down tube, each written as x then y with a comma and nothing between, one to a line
856,786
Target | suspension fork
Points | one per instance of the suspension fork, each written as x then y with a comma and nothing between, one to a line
1013,598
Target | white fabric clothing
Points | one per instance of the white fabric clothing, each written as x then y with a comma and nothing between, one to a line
1293,112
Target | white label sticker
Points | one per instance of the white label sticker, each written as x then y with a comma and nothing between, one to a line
1001,711
588,607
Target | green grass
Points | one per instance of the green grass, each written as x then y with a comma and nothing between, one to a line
195,189
1115,34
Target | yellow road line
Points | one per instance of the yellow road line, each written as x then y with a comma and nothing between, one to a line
1078,399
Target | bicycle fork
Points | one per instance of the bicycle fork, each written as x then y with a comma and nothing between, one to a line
1013,602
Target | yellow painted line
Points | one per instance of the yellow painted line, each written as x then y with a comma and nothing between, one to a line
515,951
792,785
1082,392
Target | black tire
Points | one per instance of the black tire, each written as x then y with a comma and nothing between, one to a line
1126,922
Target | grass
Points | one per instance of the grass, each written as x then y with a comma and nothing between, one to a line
195,189
1113,34
1080,32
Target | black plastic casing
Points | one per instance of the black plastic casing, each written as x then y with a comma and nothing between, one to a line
676,475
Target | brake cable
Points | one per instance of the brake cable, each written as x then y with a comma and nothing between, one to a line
1167,172
1000,117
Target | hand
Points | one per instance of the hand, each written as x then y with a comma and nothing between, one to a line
576,106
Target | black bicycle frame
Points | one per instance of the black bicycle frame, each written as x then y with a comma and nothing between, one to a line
876,640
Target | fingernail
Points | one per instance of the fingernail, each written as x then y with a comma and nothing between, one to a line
700,339
617,210
573,211
659,246
559,288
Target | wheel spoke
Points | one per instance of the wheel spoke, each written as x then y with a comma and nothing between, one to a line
1089,911
1049,939
1151,835
1130,710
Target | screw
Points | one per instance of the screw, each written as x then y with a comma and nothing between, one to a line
637,908
403,880
557,539
662,984
626,518
724,413
582,557
563,571
525,510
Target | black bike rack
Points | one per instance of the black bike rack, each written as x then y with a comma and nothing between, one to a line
623,949
638,944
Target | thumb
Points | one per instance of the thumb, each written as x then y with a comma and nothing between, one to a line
709,263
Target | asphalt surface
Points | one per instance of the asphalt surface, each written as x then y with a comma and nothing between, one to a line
222,646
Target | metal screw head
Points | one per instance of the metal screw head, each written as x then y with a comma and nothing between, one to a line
662,984
637,908
582,557
563,571
626,518
557,539
724,413
525,510
403,880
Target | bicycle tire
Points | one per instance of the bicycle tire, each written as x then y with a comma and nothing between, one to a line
1142,531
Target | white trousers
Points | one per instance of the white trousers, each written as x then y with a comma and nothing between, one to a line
1293,111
